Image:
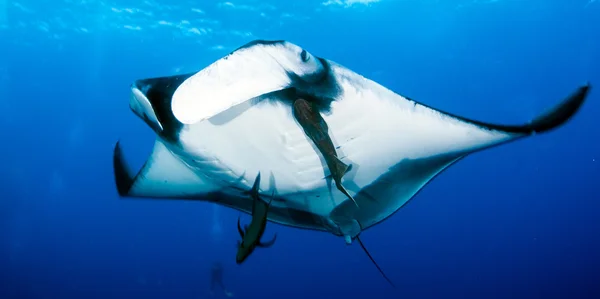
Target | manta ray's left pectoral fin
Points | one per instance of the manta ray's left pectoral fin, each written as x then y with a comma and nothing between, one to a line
267,244
163,176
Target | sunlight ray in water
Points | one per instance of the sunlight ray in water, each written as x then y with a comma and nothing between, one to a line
590,2
3,14
216,227
4,102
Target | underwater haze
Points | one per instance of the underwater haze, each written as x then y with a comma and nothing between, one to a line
521,220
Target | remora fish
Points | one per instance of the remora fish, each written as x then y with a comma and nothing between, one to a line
234,117
253,233
315,127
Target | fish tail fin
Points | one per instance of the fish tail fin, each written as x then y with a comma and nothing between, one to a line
341,168
256,184
374,263
343,190
254,191
239,227
271,199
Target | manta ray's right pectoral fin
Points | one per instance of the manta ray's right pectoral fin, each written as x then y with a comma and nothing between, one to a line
562,112
553,118
480,135
267,244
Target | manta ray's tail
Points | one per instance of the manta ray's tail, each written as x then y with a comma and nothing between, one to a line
374,263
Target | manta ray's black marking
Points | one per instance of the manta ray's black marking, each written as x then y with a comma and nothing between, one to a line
322,90
322,93
159,91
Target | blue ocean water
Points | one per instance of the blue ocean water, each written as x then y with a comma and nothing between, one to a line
517,221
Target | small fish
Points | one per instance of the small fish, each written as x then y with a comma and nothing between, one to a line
316,129
252,234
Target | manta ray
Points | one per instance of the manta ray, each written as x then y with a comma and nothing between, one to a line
217,128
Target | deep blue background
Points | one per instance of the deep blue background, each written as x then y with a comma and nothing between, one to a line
516,221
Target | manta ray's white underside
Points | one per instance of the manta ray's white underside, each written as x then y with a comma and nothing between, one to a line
395,147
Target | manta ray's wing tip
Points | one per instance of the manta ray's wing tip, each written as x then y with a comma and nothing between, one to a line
562,112
584,89
123,179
